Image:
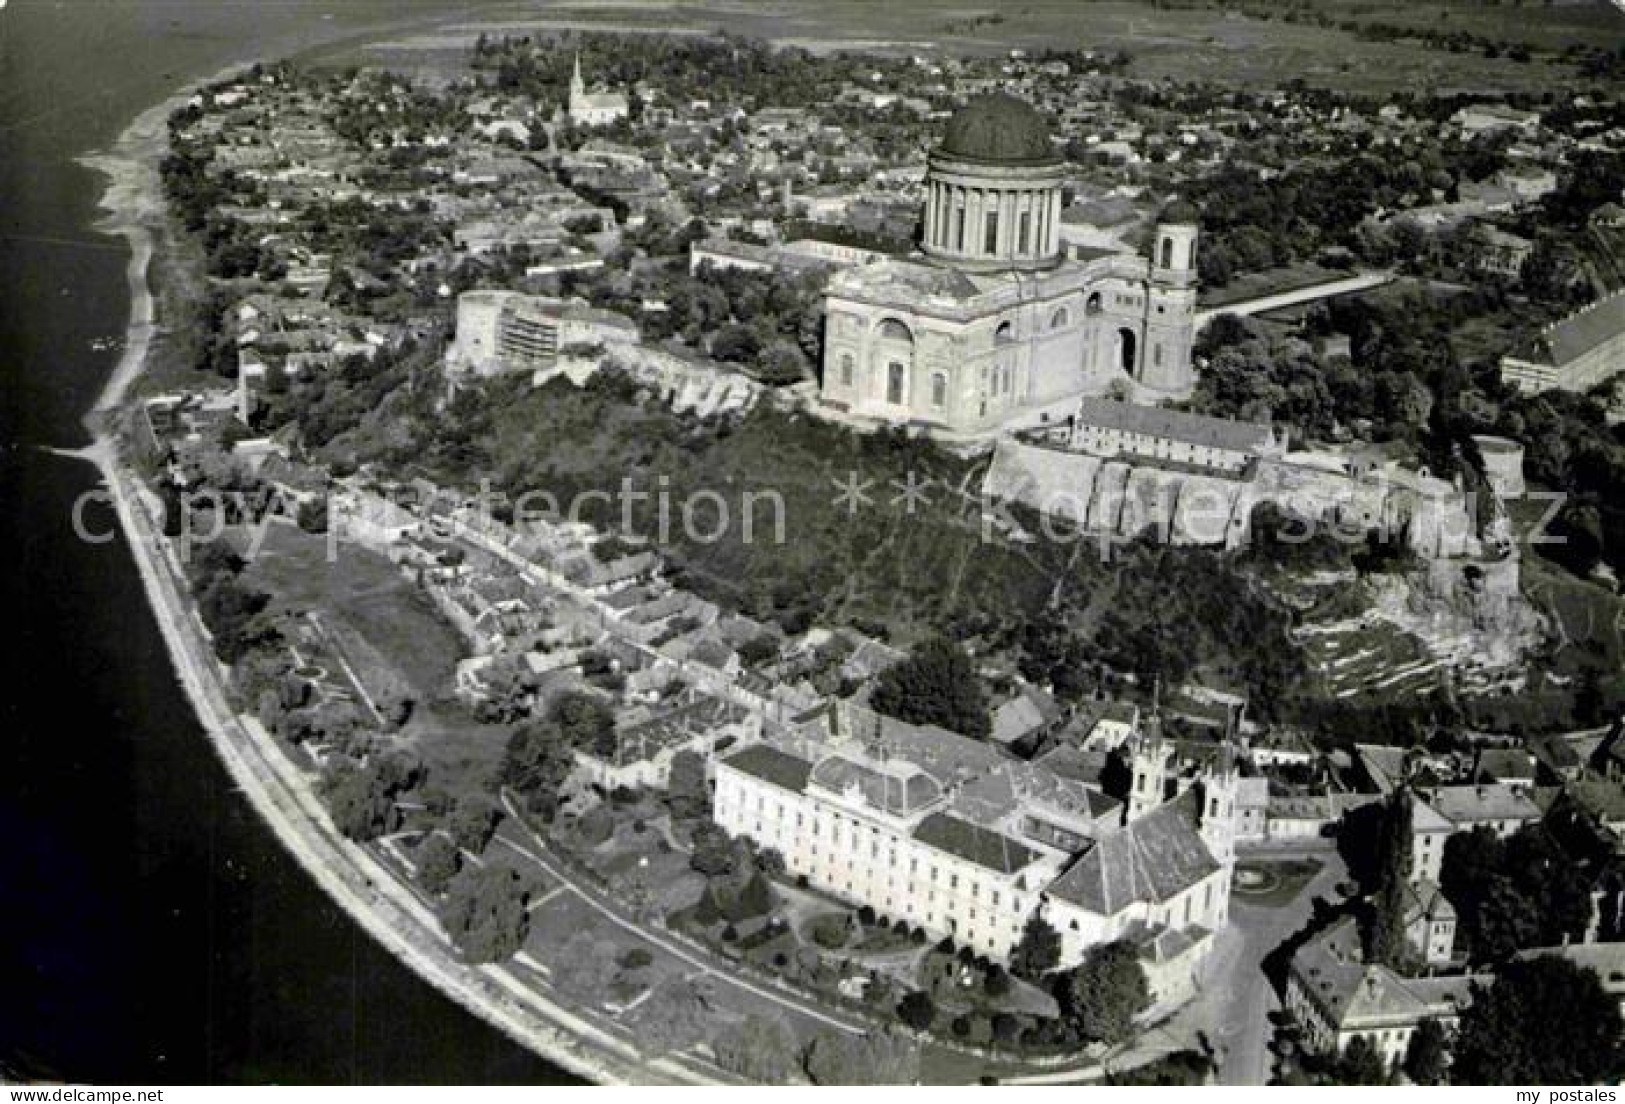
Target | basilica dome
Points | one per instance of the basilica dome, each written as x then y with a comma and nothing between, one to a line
998,128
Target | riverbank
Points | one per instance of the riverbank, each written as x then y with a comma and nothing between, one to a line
278,790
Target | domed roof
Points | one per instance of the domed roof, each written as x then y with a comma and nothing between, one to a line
997,127
1180,211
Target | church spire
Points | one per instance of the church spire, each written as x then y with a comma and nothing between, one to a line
577,85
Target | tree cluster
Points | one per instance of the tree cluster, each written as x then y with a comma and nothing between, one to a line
936,685
1513,894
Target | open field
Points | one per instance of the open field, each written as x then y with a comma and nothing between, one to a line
365,594
1194,42
390,638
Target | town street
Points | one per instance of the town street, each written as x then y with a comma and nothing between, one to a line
1236,997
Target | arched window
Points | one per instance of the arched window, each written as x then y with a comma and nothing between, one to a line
1005,334
939,390
846,369
1059,319
1094,305
1167,252
894,383
893,330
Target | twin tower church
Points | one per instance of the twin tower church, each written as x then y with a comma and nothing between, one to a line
999,324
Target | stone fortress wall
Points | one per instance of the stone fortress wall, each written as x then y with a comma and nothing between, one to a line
1122,498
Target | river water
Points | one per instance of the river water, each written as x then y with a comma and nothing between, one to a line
151,928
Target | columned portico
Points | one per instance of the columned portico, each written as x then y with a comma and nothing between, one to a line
997,326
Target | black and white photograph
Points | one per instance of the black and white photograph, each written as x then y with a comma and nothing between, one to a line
958,543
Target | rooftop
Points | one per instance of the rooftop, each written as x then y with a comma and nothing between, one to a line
895,786
1195,429
972,842
1152,860
1472,804
788,772
998,128
1571,338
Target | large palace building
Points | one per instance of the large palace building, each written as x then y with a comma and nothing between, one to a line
996,324
949,834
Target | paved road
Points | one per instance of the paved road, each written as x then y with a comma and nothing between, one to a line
1237,998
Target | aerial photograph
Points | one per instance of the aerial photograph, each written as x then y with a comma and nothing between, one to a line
812,542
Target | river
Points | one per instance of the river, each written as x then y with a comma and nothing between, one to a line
151,928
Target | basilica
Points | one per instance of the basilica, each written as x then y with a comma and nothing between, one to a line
996,323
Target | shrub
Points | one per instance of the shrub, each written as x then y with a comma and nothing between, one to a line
917,1011
1005,1027
828,931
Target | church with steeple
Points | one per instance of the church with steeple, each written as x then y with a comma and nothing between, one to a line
995,323
593,109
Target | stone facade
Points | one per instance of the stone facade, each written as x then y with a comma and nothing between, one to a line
953,836
500,331
996,324
1575,354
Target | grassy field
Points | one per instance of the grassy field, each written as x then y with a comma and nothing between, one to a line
391,637
1190,42
367,595
1274,883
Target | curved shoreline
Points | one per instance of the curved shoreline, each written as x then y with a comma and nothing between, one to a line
275,787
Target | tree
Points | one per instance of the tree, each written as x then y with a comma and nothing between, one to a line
1513,894
361,796
1039,950
582,719
585,968
1544,1020
535,765
1100,997
836,1058
1385,933
474,822
759,1048
917,1010
782,363
438,862
1359,1064
485,912
1427,1059
714,853
1182,1067
936,685
686,788
311,514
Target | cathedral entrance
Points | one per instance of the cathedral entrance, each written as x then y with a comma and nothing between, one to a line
1127,354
